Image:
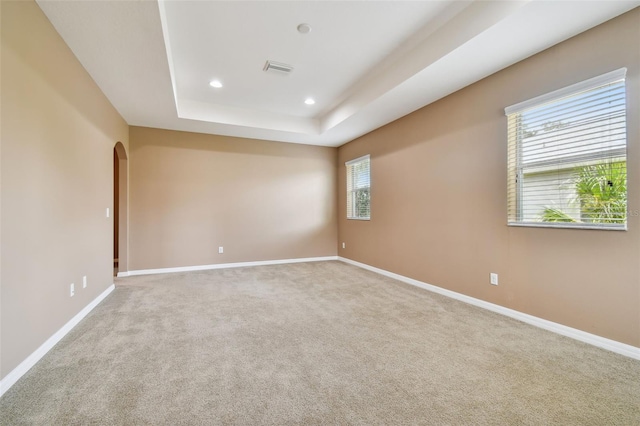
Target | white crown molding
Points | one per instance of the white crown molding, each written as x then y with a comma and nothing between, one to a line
11,378
582,336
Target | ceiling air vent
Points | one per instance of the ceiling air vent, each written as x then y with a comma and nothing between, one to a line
277,67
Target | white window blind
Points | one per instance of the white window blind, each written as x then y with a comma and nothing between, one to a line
567,156
359,188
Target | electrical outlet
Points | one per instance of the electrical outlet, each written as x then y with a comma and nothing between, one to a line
494,279
72,290
220,250
84,282
344,245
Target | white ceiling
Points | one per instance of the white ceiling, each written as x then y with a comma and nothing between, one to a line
366,63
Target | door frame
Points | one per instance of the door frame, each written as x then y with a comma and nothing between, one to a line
122,215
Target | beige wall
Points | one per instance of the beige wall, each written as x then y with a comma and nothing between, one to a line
191,193
57,138
439,198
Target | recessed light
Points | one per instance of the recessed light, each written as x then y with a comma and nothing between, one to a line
309,101
304,28
215,83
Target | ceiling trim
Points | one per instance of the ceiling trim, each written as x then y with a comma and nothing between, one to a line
126,48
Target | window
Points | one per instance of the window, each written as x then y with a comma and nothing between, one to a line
567,158
359,188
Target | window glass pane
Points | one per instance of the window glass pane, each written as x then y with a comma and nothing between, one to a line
358,188
567,160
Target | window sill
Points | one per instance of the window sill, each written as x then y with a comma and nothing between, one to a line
358,218
602,227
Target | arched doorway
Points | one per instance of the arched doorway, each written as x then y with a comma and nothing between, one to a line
120,209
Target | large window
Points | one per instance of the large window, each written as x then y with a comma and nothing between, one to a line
359,188
567,159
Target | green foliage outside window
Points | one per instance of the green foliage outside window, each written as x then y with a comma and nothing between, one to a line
601,193
363,200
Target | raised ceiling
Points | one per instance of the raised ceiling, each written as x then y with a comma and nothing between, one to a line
365,63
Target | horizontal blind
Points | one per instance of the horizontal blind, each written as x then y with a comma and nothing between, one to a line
567,157
358,188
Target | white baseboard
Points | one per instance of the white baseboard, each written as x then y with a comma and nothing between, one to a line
583,336
601,342
11,378
224,265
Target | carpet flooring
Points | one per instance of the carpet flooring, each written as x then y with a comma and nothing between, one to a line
313,343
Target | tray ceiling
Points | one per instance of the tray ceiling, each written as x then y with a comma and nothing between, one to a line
364,63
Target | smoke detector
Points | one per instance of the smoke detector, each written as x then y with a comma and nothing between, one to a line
277,67
304,28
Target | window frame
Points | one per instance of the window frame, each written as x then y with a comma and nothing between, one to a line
515,166
351,192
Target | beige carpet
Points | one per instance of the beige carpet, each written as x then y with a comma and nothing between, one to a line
314,343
